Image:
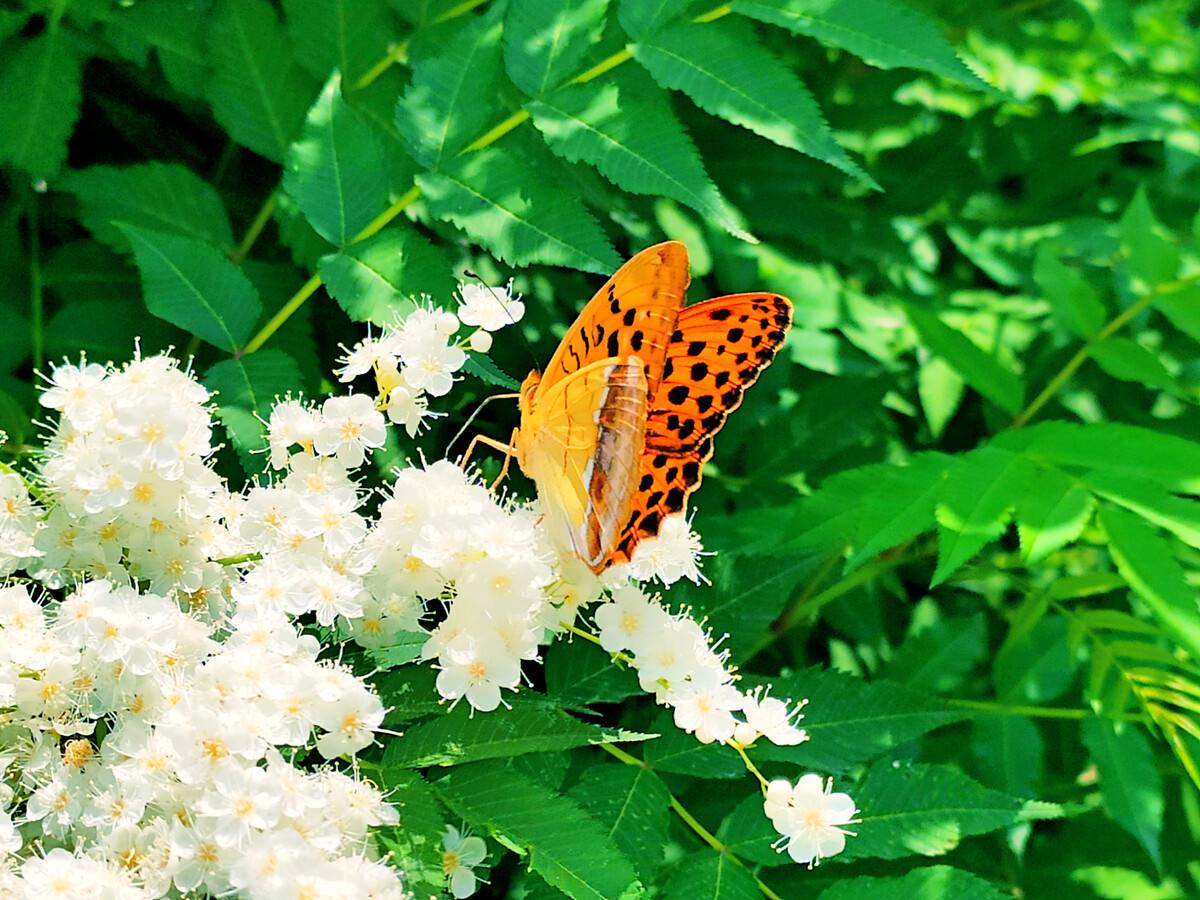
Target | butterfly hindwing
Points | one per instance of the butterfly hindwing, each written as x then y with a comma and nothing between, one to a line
717,350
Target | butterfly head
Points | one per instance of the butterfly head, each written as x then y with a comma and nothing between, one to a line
528,389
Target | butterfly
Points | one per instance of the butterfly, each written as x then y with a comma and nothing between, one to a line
615,432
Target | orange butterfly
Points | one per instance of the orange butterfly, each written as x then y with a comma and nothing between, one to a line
616,431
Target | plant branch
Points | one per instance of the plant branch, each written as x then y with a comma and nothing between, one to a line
692,822
256,227
1083,353
1037,712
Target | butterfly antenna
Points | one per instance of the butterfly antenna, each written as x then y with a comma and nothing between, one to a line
471,418
529,347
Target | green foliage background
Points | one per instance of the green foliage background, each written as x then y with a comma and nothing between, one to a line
960,513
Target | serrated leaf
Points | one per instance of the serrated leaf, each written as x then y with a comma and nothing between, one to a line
1035,666
639,17
378,279
850,720
1129,780
335,171
177,33
486,370
1072,299
1011,753
452,98
711,876
925,810
728,73
347,35
941,391
258,91
458,737
193,285
246,388
632,804
624,126
925,883
545,41
937,657
1128,360
680,753
1179,515
1153,258
417,841
409,693
504,202
39,102
404,647
85,270
977,368
580,674
566,846
885,33
1182,309
1171,461
749,834
166,197
1051,513
106,330
975,505
1147,564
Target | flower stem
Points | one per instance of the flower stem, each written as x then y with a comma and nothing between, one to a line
36,295
753,769
692,822
1036,712
1083,353
238,560
256,227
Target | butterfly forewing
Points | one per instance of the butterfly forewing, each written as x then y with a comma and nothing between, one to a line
717,350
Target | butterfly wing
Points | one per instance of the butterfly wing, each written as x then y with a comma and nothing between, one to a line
718,349
582,448
634,313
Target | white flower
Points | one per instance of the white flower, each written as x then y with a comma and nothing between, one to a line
476,667
628,620
481,341
461,854
407,407
243,799
488,308
810,817
291,423
770,718
349,427
669,556
706,710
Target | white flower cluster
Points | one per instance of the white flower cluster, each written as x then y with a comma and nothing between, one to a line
418,357
677,662
126,472
810,817
19,523
156,754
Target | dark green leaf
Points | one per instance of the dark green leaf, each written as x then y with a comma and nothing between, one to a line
926,883
193,285
1153,258
347,35
39,102
1073,300
978,369
1129,361
632,804
1129,780
1011,753
483,368
711,876
545,41
335,171
246,388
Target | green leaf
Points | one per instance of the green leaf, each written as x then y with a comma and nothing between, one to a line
926,883
977,368
727,72
1153,258
1072,299
1179,515
937,657
749,834
378,279
459,737
975,505
417,841
452,98
624,126
1128,360
850,720
1035,666
486,370
405,647
566,846
39,102
193,285
580,673
246,389
1129,780
1147,564
885,33
632,804
1051,513
177,33
14,420
924,809
1166,459
639,17
347,35
711,876
335,171
506,204
941,391
1182,309
680,753
409,693
258,91
107,331
545,41
166,197
1011,753
85,270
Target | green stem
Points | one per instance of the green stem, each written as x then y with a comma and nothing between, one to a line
238,560
256,227
1081,356
400,52
36,294
692,822
1035,712
286,312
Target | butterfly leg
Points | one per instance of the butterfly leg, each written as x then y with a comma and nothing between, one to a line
508,449
509,452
